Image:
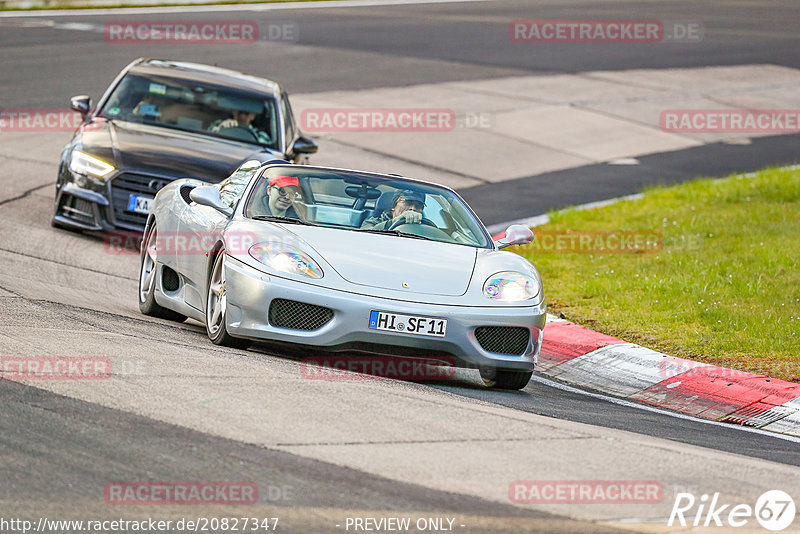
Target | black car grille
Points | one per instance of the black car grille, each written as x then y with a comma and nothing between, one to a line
285,313
127,184
78,209
503,339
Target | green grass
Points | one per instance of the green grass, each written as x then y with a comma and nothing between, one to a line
724,289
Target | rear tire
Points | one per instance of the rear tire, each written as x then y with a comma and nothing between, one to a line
147,281
216,306
505,378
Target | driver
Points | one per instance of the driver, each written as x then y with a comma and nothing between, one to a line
240,119
407,206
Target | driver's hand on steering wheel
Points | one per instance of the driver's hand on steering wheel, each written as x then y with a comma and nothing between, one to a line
410,216
228,123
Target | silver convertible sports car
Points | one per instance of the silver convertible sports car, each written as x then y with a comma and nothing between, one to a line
335,259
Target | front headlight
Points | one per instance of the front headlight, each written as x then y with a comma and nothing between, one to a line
286,259
511,287
82,163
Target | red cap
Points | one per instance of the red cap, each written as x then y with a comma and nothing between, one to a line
282,181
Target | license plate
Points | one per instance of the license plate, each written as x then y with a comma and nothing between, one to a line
139,204
407,324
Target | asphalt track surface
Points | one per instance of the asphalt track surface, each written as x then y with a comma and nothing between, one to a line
121,447
58,450
361,48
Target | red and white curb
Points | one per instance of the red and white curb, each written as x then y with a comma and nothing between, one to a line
578,356
575,355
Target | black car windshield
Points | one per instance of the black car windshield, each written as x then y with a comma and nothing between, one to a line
195,107
365,202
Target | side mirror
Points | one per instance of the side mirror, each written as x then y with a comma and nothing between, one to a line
304,145
208,195
82,104
516,234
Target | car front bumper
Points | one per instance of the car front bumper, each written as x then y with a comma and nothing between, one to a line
251,292
87,204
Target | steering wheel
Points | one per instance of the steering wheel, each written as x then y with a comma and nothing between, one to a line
239,132
423,230
400,222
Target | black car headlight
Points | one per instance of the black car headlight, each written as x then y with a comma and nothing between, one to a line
86,165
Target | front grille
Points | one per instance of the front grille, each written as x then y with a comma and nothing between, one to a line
503,339
127,184
78,209
298,315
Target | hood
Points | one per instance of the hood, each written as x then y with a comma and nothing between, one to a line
164,152
388,262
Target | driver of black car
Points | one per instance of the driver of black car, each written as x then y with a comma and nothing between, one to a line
406,208
240,119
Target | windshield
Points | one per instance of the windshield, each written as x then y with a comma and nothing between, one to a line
194,107
365,202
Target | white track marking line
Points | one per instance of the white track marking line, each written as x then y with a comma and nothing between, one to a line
539,220
223,8
629,404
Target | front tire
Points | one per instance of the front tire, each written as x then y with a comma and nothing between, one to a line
505,378
216,305
147,280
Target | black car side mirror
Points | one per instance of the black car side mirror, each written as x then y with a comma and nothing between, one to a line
304,145
82,104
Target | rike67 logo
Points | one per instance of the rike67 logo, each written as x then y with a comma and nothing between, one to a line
774,510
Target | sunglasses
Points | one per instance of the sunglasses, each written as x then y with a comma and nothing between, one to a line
290,193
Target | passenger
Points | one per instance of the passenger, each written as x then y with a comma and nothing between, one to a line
407,206
282,194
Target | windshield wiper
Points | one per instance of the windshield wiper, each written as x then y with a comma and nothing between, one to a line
277,218
397,233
